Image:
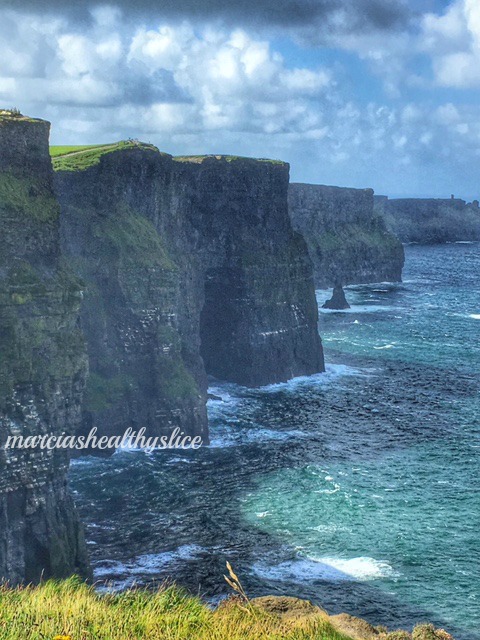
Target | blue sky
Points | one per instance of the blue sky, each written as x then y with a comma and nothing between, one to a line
363,93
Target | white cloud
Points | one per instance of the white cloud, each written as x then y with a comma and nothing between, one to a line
453,42
228,91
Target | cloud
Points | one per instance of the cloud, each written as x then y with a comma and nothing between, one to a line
313,19
209,88
180,77
453,42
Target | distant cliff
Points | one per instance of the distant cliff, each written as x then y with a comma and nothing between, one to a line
430,221
347,241
191,268
42,362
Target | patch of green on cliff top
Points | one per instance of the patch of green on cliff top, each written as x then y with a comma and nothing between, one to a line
200,159
83,157
14,115
56,151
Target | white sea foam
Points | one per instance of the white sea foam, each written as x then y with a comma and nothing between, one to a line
474,316
125,575
362,308
326,568
386,346
332,373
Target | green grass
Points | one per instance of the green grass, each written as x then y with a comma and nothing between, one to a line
71,610
135,239
200,159
27,197
81,158
56,151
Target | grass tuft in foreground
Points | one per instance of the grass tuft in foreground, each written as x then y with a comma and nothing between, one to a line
74,611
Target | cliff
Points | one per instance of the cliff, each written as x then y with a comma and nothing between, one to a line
430,221
347,240
42,362
191,268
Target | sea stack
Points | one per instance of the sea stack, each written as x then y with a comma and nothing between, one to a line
338,300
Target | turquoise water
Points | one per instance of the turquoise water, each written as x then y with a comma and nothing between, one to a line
358,489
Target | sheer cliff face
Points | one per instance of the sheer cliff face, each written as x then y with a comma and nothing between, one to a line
257,311
141,372
42,363
347,241
191,267
430,221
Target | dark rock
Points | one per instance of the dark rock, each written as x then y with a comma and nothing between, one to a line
42,364
338,300
347,240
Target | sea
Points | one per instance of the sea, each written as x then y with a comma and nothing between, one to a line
358,489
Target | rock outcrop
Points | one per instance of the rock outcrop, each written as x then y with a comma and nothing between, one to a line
42,363
347,241
430,221
338,301
191,268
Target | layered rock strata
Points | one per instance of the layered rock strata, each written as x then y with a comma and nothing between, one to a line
43,363
347,240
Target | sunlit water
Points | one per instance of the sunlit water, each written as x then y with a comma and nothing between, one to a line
358,488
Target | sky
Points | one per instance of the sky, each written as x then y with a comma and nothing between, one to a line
361,93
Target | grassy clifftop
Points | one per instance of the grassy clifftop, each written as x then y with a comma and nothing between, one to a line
71,610
200,159
79,158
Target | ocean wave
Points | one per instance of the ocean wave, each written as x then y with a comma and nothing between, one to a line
362,308
117,576
332,373
328,569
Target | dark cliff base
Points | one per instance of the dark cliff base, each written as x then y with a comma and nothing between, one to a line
347,241
430,221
